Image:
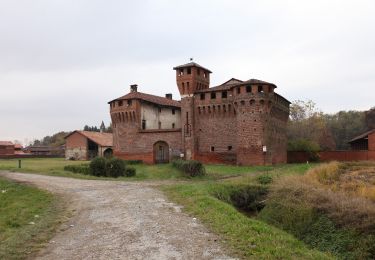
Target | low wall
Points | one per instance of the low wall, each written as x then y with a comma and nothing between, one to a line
300,157
220,158
22,156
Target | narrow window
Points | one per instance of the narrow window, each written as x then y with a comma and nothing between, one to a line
159,125
248,89
199,110
120,103
183,88
173,125
229,148
173,111
198,72
181,72
238,90
224,94
204,74
213,95
189,71
202,96
143,124
260,89
129,102
212,148
187,86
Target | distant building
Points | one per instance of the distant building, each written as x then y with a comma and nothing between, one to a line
85,145
6,148
365,141
237,122
45,151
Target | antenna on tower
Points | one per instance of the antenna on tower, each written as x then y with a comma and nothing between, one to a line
191,59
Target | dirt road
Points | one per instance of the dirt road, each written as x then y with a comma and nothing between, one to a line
122,220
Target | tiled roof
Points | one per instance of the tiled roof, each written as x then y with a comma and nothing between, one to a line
18,146
6,143
102,139
150,98
234,82
191,64
366,134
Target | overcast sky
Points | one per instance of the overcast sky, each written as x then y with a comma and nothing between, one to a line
61,61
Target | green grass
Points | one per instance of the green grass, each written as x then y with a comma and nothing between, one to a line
28,218
248,238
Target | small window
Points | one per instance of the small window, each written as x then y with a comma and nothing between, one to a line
129,102
213,95
183,87
181,72
260,89
238,90
189,71
198,71
159,125
248,89
173,125
159,109
204,74
143,124
224,94
212,148
120,103
202,96
173,111
229,148
187,86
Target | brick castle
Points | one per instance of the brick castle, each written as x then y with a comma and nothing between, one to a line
237,122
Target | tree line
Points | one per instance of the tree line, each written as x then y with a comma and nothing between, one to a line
309,129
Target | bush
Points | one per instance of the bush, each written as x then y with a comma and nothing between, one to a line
83,168
304,145
97,166
130,172
264,179
249,198
114,167
190,168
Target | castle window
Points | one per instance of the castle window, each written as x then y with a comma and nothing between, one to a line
129,102
183,88
248,89
199,110
173,125
204,74
260,89
213,95
187,86
238,90
159,109
198,71
212,148
202,96
242,102
229,148
143,124
252,101
224,94
120,103
224,108
173,111
159,125
189,71
181,72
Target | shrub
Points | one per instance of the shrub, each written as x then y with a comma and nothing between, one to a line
249,198
190,168
83,168
304,145
264,179
130,172
98,166
114,167
130,162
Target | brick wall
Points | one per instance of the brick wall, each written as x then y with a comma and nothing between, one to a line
301,157
76,147
6,149
371,141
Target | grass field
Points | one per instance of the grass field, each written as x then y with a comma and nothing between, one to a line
28,218
248,238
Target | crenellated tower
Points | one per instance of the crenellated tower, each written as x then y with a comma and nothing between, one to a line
190,78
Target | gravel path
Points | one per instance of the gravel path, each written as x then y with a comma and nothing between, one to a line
122,220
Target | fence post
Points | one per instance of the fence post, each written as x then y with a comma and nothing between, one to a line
19,164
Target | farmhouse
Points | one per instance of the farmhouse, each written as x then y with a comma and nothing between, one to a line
237,122
6,148
85,145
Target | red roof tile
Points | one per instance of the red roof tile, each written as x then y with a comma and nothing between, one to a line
102,139
150,98
191,64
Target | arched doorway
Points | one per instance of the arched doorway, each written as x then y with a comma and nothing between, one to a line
161,152
108,153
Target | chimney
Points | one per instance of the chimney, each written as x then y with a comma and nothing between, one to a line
169,95
133,88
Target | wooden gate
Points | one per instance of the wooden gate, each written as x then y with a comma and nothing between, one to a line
161,152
